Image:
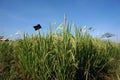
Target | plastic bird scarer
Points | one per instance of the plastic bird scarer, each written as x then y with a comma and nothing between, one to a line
37,27
107,35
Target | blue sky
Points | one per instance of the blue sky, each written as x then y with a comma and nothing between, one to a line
22,15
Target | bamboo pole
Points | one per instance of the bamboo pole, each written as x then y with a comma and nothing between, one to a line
65,23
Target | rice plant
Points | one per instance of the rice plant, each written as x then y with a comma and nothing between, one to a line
60,55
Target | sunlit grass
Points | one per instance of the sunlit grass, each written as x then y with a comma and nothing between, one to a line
60,56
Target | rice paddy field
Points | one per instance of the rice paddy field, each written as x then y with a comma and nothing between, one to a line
60,55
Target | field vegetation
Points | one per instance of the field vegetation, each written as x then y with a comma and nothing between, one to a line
60,55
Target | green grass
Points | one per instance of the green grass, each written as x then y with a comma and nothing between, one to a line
59,56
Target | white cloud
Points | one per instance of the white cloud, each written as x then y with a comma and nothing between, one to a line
18,33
